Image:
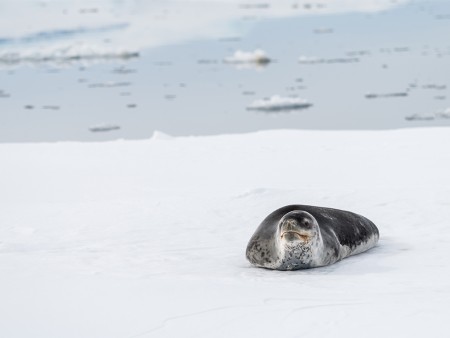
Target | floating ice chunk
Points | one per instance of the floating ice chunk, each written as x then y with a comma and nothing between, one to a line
420,117
435,86
445,114
314,60
104,127
309,60
109,84
64,55
376,96
278,103
51,107
358,53
123,70
258,56
323,30
441,114
440,97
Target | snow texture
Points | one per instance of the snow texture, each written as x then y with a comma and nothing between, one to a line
147,238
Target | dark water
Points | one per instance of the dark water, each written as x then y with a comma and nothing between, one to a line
380,70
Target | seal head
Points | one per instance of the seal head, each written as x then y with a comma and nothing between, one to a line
299,240
297,244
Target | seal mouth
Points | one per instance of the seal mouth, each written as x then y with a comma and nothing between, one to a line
292,235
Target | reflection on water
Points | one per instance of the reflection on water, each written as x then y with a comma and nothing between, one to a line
203,68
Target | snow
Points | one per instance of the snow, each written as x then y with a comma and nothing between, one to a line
147,238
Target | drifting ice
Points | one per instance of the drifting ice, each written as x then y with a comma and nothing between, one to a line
279,103
258,56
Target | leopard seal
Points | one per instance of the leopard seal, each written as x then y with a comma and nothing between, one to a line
303,236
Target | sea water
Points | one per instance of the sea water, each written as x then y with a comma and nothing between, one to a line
77,71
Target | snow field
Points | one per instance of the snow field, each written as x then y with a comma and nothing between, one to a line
147,238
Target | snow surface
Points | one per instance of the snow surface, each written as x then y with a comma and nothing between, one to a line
147,238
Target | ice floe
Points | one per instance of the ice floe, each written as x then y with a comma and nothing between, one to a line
315,60
4,94
110,84
258,56
64,55
385,95
440,114
278,103
104,127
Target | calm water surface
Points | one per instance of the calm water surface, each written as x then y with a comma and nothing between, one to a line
373,69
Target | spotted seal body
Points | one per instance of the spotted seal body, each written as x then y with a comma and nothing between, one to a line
302,236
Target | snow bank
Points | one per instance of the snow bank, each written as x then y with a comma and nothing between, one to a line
147,238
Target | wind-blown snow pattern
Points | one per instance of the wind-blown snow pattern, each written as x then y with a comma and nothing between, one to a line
147,238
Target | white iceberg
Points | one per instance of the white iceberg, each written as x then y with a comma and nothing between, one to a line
258,56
